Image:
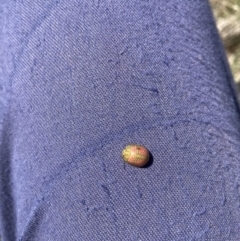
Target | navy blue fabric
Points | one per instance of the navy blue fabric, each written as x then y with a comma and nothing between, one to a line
82,79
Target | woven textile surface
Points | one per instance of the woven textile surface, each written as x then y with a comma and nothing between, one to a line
82,79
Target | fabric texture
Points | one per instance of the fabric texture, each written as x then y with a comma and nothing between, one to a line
81,79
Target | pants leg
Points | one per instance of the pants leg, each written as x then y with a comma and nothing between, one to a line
82,79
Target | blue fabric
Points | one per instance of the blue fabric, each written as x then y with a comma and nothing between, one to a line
82,79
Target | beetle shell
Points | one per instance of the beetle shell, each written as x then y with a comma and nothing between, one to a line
136,155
